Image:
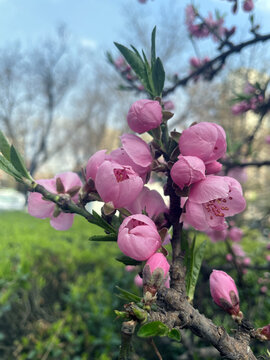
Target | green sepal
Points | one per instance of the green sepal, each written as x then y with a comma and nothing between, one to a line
109,237
103,223
126,295
154,328
127,260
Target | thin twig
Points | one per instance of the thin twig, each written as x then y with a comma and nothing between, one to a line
156,349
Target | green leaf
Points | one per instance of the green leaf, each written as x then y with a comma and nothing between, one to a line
158,77
126,295
195,258
174,334
7,167
4,146
153,46
154,328
127,260
109,237
135,61
18,162
103,223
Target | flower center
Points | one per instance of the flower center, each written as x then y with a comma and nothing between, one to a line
120,174
216,207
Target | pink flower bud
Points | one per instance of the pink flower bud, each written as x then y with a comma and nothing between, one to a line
117,184
224,292
144,115
205,140
217,235
187,170
240,108
248,5
168,105
119,62
265,331
246,261
158,261
93,164
130,268
267,258
267,139
235,234
213,167
195,62
138,281
229,257
138,237
238,251
263,289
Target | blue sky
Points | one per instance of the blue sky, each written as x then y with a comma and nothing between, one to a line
95,23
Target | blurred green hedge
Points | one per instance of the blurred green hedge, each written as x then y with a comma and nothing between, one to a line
57,293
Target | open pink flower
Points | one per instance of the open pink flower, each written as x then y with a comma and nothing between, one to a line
150,201
211,200
205,140
135,153
94,162
235,234
138,237
187,170
144,115
224,292
117,184
67,183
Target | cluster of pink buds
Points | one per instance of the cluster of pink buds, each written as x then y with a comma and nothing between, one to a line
253,99
224,293
125,70
202,28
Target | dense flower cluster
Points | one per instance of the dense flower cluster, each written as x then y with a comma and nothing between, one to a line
253,99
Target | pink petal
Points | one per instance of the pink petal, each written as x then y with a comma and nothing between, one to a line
137,149
106,183
211,188
38,207
93,164
62,222
128,191
195,216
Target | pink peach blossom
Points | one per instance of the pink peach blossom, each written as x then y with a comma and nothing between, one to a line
67,183
135,153
187,170
238,250
168,105
138,237
144,115
229,257
150,201
117,184
267,258
130,268
224,292
94,162
204,140
138,281
211,200
264,290
235,234
217,235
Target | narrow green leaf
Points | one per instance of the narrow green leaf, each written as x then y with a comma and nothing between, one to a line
103,223
109,57
4,146
18,162
154,328
109,237
7,167
174,334
134,60
158,77
153,47
126,295
127,260
196,258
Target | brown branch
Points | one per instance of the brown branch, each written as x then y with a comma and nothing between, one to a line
231,165
217,60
